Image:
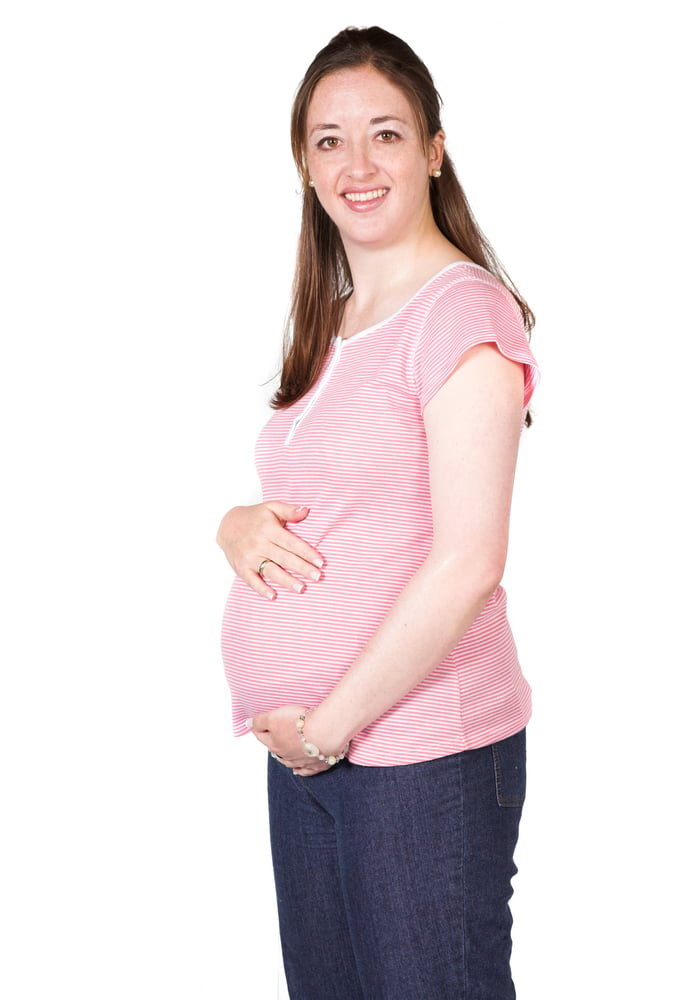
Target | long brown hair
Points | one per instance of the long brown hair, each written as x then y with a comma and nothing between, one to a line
322,280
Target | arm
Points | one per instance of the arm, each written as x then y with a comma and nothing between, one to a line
473,426
249,535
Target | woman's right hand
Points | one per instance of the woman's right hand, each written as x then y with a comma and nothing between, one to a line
256,536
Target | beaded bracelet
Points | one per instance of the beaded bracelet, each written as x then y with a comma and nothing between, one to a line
311,750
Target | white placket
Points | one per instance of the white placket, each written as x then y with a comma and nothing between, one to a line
338,347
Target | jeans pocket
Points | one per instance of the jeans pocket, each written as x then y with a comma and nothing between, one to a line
510,770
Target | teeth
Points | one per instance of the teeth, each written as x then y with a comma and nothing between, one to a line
365,195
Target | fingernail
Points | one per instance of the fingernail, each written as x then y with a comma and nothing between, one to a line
249,723
302,507
319,562
269,597
298,587
315,575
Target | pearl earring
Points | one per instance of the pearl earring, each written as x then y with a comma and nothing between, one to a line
436,173
311,184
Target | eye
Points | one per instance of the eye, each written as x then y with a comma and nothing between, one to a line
329,142
387,135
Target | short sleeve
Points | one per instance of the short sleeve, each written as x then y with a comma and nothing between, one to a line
467,312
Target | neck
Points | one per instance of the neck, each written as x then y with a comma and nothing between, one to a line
383,273
385,279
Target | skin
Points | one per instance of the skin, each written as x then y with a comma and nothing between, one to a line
361,138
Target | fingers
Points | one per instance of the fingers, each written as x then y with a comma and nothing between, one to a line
303,767
264,552
259,585
291,552
289,563
286,574
302,770
300,765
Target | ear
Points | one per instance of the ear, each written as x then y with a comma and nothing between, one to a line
436,150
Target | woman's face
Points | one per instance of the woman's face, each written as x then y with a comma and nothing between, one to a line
366,159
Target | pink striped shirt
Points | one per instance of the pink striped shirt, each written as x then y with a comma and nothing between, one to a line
354,450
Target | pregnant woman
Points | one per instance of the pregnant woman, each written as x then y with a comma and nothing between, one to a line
365,639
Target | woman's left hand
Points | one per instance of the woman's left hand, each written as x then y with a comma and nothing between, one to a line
277,731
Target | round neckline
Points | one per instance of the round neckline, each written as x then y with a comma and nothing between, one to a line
421,289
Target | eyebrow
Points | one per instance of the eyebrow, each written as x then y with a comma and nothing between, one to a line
380,120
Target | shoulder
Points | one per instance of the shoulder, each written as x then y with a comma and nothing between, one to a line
466,306
469,290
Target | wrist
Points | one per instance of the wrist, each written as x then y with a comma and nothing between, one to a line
321,750
329,724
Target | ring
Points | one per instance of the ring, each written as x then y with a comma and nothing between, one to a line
262,565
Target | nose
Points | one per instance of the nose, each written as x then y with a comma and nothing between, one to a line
360,162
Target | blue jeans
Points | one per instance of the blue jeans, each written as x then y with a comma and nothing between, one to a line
393,883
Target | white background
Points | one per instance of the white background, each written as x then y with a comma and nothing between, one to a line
148,219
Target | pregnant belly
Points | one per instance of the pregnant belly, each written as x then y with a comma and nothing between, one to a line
292,650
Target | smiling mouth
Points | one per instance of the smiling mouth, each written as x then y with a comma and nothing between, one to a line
365,195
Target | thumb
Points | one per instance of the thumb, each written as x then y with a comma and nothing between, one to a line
300,513
289,512
258,723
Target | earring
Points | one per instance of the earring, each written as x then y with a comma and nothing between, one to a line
436,173
311,184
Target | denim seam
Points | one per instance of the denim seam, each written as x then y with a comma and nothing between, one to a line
464,921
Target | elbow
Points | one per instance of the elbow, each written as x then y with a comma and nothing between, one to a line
493,565
474,575
486,578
